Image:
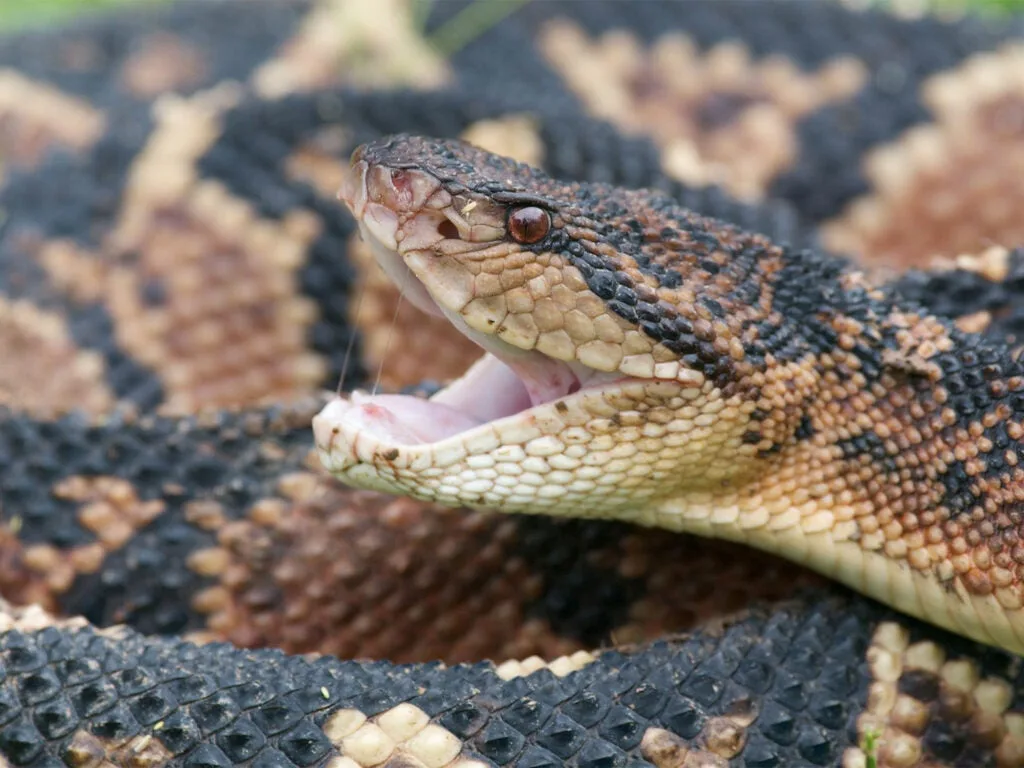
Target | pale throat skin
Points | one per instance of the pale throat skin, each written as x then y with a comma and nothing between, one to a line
649,365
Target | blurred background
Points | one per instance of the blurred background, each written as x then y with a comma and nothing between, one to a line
16,13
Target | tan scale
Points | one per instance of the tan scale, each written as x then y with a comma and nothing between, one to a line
722,738
370,43
953,185
228,325
321,160
36,343
108,507
402,736
718,116
36,116
514,135
560,667
86,750
977,709
34,618
23,578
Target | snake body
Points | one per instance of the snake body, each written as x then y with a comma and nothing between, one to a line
178,283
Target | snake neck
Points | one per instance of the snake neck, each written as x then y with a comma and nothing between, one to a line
888,452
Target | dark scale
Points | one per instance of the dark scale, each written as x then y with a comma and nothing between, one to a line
579,599
579,721
147,582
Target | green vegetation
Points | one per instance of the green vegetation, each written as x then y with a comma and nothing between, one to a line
869,745
983,7
14,13
18,13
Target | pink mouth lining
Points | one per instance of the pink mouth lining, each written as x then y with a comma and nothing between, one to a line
490,390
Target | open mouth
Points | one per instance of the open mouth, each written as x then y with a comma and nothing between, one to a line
407,219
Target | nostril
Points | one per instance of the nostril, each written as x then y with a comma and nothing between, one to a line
402,183
447,230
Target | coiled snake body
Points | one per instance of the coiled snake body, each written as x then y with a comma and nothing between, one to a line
178,283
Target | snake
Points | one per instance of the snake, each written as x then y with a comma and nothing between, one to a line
733,483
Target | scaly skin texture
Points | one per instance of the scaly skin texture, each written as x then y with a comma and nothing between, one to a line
183,250
727,386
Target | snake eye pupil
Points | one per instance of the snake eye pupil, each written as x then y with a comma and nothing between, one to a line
528,225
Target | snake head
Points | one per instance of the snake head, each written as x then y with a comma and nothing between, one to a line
579,403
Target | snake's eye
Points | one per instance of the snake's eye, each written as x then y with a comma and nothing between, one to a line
528,225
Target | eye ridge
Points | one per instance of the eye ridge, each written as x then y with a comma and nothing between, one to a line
529,224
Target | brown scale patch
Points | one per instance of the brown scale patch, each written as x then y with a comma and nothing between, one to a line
919,694
721,739
718,116
371,44
352,573
19,583
202,290
36,345
690,581
162,62
35,117
412,345
955,185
